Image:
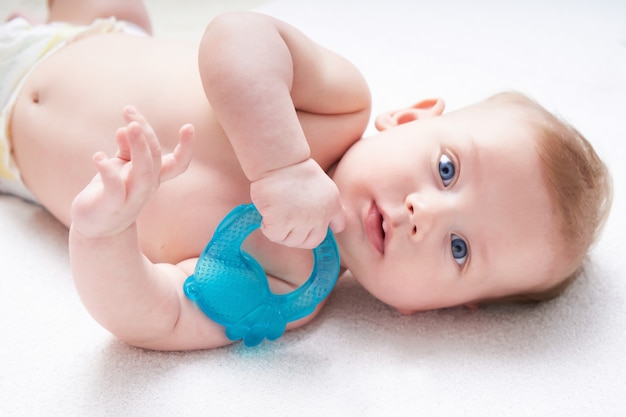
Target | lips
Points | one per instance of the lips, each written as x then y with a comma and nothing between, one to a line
374,228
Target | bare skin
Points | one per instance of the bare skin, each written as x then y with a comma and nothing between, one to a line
261,113
63,116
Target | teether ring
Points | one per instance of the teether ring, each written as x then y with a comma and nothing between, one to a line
231,287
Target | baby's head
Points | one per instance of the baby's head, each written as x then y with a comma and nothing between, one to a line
580,191
499,200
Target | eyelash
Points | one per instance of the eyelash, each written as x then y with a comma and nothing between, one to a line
448,172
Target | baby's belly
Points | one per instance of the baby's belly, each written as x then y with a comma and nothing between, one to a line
70,107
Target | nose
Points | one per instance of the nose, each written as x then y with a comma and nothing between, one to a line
423,213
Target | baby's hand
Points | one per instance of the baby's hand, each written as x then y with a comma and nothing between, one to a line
112,201
298,203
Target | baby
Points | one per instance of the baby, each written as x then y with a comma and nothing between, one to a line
499,200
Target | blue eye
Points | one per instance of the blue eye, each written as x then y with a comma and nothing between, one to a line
447,170
459,249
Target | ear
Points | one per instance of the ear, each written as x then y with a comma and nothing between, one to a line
430,107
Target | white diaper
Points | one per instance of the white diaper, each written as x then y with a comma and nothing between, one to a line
22,47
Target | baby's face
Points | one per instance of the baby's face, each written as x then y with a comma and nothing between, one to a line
447,210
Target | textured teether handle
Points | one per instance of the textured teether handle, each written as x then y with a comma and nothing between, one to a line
231,287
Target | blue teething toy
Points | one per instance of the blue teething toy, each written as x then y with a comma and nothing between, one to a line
231,287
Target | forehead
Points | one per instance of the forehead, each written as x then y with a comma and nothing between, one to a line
511,222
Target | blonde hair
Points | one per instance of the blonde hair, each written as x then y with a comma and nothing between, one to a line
579,185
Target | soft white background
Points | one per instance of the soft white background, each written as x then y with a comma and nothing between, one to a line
360,358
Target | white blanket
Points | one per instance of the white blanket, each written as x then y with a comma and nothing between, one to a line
360,358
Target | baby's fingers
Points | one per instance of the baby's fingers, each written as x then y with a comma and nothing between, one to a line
313,238
178,161
112,182
298,237
143,169
338,222
132,115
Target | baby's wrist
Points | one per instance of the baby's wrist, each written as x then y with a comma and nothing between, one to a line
308,164
283,157
100,233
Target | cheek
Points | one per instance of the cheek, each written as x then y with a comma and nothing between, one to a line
415,270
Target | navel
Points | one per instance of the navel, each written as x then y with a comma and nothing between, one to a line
34,96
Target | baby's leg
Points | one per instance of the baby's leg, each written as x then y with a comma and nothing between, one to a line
29,17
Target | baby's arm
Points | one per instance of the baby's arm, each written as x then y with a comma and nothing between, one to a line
257,73
136,300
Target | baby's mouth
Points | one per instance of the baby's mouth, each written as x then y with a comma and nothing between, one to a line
375,228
